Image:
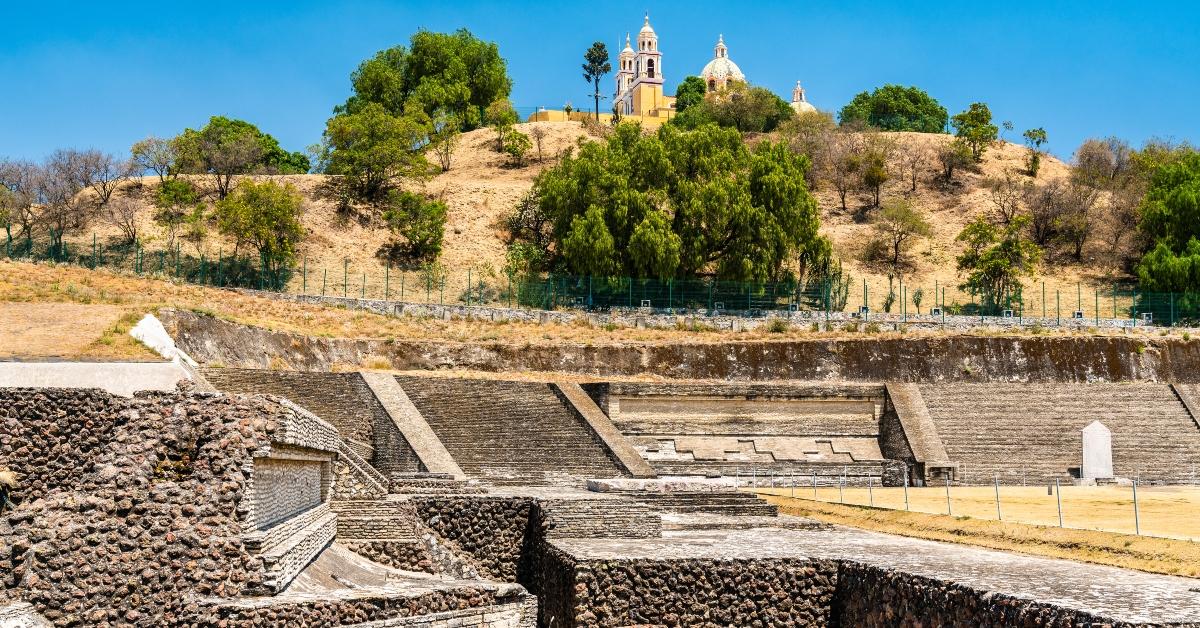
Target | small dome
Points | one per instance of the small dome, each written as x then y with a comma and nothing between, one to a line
722,68
646,29
803,107
628,50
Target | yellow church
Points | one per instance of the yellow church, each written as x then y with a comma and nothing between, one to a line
639,83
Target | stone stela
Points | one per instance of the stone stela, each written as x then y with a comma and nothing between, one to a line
1097,452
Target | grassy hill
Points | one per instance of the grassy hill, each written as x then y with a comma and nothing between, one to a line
481,188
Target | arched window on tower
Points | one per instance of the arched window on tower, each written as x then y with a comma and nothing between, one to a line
650,68
712,85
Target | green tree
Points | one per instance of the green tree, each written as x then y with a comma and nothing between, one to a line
501,116
679,203
445,132
897,224
517,145
1034,138
896,108
1170,224
455,72
266,217
954,155
225,148
689,92
740,106
974,127
595,67
176,201
373,151
419,223
156,155
995,259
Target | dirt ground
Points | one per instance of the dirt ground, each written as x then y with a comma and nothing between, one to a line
1168,511
67,330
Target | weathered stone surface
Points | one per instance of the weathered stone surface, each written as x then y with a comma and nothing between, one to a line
1097,452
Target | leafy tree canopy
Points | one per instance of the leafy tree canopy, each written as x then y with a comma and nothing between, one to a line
1170,223
266,217
211,148
456,72
995,258
690,92
974,127
740,106
896,108
373,150
681,203
419,223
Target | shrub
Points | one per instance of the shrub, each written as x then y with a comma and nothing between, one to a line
778,326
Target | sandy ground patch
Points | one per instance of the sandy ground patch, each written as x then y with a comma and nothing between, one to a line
39,330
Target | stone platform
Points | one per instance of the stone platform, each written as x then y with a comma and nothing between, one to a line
868,578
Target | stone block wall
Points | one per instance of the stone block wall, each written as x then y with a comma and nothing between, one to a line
496,533
139,502
874,597
693,592
284,488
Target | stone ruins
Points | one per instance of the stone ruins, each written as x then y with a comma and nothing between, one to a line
246,497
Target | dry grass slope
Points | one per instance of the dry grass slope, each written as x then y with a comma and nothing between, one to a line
481,188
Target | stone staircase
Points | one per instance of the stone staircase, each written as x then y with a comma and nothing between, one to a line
856,473
601,518
510,433
432,484
287,548
1032,432
391,519
729,503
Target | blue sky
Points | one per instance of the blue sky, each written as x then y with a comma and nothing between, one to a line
105,74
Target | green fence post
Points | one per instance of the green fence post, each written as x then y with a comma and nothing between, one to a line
387,271
178,252
363,296
1097,290
1078,298
1172,309
402,286
1114,300
1058,307
865,294
93,250
710,301
670,296
324,279
202,269
345,278
589,301
749,294
1043,300
468,287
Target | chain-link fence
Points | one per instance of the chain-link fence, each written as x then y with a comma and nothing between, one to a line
1031,303
1160,509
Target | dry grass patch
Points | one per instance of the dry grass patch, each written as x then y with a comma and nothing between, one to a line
1150,554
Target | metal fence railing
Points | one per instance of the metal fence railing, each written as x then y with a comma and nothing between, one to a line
1032,303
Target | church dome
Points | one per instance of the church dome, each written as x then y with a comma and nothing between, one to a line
718,72
722,68
800,102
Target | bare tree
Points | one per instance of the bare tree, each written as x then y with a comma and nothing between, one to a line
1077,221
1045,204
538,133
1104,164
23,181
843,164
1006,193
810,134
107,172
1121,214
155,154
123,213
914,157
64,209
